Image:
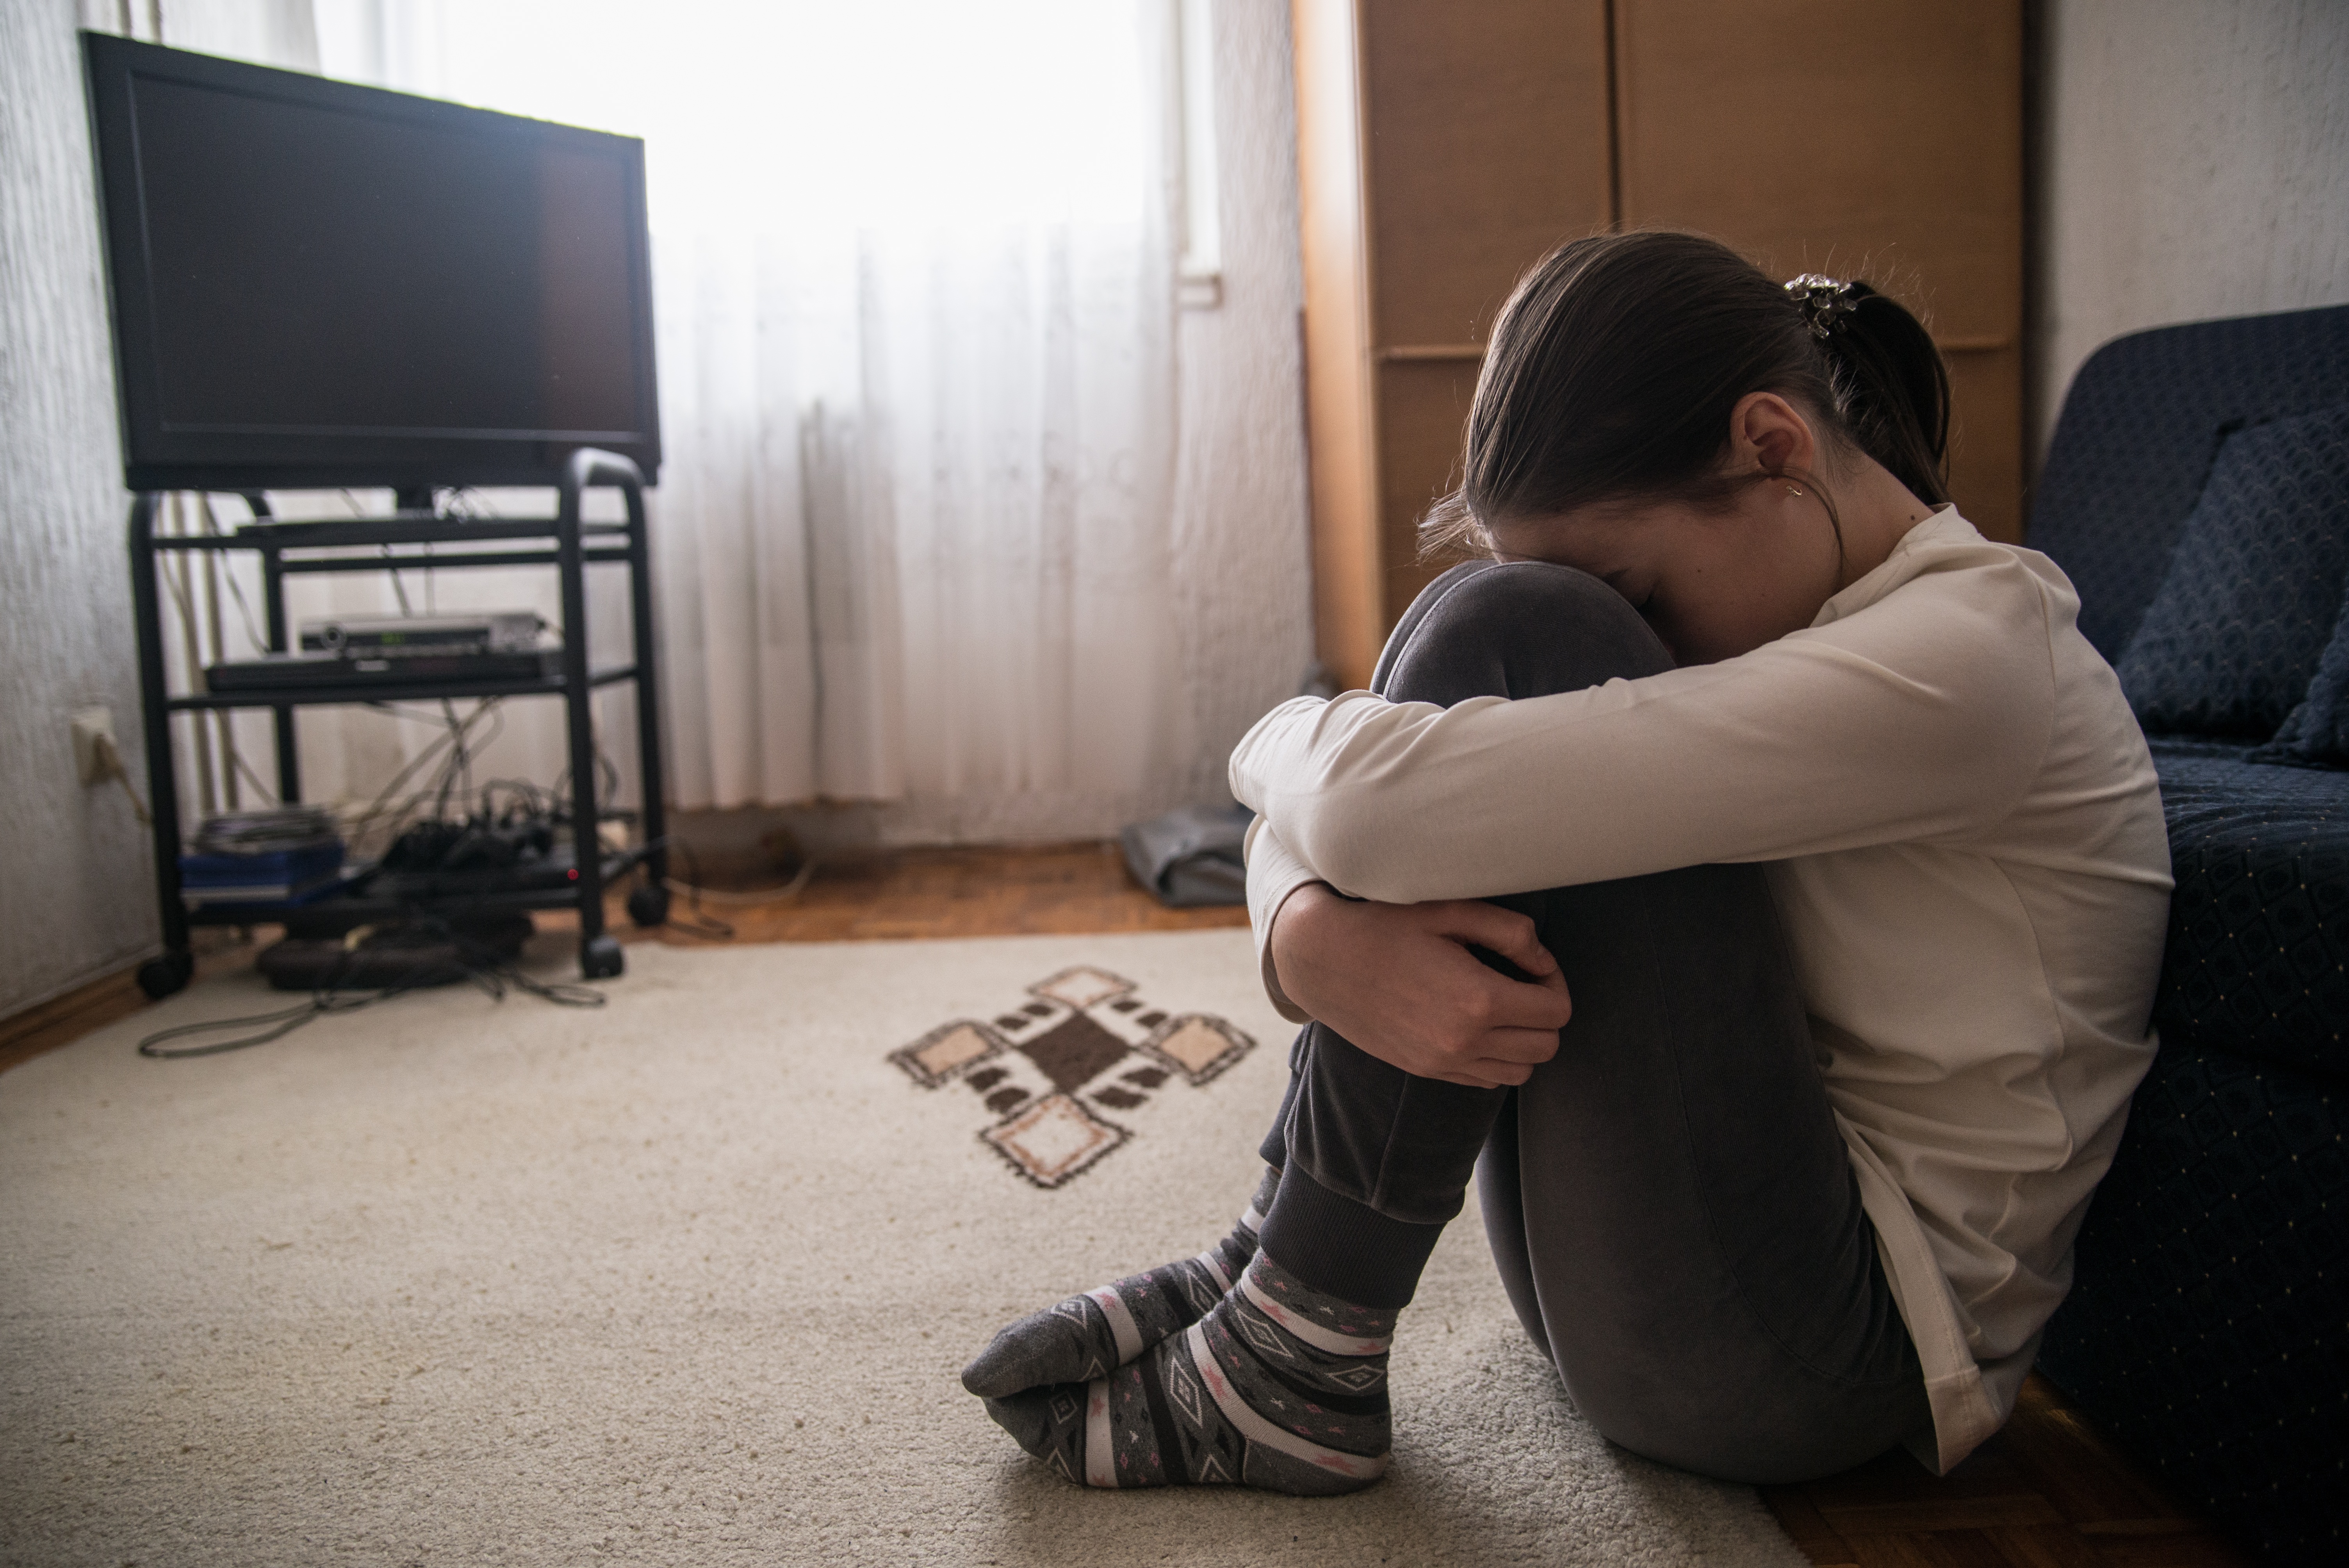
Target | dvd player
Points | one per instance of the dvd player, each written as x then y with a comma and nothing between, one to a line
402,636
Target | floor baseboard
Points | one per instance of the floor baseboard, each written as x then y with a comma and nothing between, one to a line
67,1016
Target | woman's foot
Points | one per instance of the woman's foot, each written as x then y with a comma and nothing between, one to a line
1091,1335
1280,1387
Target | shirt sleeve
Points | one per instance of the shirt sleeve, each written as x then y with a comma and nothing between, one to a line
1922,717
1273,873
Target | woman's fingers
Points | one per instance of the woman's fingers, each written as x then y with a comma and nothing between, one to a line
1511,1064
1542,1004
1517,1046
1503,932
1538,1002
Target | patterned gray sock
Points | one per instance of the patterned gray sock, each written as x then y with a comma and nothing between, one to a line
1089,1335
1280,1387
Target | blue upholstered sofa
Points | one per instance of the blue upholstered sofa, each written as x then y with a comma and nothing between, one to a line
2197,493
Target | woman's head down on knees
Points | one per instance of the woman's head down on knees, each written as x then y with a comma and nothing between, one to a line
1725,451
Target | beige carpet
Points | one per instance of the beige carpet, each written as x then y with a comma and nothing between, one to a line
687,1281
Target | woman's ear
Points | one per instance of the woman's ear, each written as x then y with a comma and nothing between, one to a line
1769,433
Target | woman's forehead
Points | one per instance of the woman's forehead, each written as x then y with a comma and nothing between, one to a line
1599,538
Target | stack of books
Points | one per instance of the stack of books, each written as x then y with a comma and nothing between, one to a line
286,854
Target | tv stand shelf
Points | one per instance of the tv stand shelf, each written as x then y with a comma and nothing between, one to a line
359,544
386,691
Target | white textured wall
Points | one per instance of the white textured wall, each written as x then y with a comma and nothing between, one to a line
77,887
1243,553
2195,164
76,878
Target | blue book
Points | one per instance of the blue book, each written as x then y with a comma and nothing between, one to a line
276,876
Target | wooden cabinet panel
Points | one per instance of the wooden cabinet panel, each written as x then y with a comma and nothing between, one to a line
1442,150
1986,459
1423,427
1486,145
1860,138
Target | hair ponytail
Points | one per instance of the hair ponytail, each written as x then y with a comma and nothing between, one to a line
1618,359
1891,389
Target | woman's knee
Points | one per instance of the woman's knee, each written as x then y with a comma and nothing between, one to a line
1517,629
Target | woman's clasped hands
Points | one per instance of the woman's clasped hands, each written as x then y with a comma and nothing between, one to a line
1401,982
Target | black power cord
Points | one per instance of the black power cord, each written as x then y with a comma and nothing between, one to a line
482,966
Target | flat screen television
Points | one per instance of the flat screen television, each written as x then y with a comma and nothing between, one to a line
317,284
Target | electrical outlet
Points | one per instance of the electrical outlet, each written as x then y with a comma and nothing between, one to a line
95,763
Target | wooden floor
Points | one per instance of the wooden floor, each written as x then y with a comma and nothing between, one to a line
1061,889
2046,1493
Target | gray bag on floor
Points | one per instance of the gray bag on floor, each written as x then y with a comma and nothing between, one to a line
1191,856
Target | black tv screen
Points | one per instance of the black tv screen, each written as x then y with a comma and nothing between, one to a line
317,284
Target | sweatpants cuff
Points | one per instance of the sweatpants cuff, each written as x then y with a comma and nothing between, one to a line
1344,1248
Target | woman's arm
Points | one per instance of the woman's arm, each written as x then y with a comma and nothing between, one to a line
1922,717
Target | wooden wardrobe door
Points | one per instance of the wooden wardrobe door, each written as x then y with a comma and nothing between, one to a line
1860,138
1443,148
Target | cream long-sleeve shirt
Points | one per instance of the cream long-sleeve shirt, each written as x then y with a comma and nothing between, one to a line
1964,838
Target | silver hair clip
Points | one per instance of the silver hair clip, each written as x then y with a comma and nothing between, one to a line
1823,301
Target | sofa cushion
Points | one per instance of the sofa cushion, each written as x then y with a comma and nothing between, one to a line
2254,588
2316,733
2132,449
2258,927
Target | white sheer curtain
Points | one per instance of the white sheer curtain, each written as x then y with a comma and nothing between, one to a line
914,269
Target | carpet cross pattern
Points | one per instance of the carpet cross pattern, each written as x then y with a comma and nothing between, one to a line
1053,1067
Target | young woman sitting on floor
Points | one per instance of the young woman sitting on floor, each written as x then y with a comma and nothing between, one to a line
1748,863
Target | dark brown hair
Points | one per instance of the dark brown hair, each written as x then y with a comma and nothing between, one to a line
1616,363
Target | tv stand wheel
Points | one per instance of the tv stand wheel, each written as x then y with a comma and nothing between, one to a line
601,958
160,977
648,905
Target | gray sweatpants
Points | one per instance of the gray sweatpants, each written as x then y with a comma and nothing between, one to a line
1668,1198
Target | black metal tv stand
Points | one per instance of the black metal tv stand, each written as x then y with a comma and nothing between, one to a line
564,542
